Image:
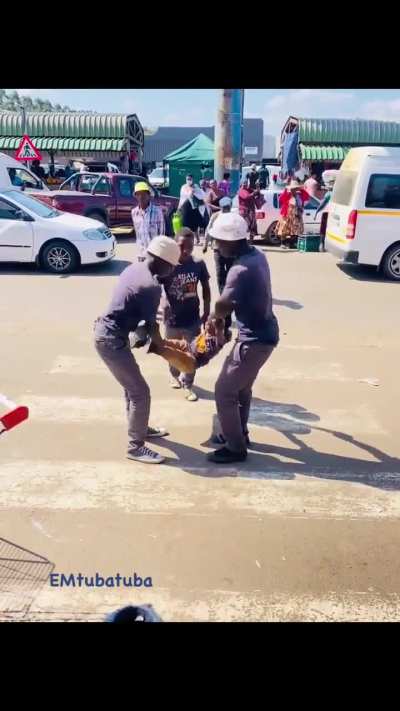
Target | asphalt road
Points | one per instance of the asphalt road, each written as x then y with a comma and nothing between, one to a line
306,529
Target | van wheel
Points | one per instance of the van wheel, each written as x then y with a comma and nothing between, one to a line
97,215
270,236
391,263
60,257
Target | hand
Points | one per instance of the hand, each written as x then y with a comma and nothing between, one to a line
205,318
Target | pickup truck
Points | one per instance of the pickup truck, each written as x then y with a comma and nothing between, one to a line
108,197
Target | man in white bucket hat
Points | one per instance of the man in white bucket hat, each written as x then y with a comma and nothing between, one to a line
247,292
135,299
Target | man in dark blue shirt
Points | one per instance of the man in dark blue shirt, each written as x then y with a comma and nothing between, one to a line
247,292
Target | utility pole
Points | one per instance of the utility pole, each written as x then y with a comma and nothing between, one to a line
229,135
23,125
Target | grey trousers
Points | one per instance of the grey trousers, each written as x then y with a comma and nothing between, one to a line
119,359
233,390
188,334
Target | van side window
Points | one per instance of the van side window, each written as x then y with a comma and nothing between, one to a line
383,191
344,187
20,177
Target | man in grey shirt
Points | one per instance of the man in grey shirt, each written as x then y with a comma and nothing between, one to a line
247,292
136,298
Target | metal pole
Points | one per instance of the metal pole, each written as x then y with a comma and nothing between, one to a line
228,136
23,126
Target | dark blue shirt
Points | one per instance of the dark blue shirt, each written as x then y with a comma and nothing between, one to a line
248,287
136,298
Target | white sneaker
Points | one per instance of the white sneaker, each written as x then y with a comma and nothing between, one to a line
190,395
146,455
175,383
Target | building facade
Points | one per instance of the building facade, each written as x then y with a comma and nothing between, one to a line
166,139
74,135
324,143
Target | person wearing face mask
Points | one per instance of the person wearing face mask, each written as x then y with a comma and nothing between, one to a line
187,190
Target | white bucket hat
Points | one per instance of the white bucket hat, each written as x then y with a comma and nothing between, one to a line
165,248
229,227
294,184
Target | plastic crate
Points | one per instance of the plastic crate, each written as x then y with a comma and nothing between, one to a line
308,243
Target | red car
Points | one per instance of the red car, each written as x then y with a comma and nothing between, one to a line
108,197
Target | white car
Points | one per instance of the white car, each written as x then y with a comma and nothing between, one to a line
31,231
16,176
158,179
268,216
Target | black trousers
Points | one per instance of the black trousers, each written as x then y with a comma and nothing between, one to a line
222,267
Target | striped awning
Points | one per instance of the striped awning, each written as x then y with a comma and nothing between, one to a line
323,152
67,144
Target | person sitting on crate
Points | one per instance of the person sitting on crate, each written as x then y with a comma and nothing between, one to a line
291,203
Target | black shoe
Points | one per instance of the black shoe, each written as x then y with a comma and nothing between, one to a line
225,456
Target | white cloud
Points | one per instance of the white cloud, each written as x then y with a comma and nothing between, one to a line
318,103
381,110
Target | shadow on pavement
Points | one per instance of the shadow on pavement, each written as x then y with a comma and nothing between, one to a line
289,304
293,421
115,266
364,273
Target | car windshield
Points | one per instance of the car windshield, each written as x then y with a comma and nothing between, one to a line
157,173
39,208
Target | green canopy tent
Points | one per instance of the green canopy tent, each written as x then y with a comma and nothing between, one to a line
188,159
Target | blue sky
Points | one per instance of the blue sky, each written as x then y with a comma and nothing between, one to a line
197,107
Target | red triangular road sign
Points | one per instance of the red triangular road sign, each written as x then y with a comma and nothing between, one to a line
27,151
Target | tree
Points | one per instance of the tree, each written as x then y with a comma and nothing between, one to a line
12,102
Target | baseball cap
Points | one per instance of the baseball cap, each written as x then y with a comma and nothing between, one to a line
141,186
229,227
225,202
165,248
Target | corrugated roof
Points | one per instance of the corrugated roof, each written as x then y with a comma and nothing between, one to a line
64,125
67,144
348,131
323,152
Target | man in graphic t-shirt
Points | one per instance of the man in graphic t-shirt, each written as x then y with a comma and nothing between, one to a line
181,304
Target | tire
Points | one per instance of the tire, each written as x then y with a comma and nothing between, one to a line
391,263
59,257
270,236
97,215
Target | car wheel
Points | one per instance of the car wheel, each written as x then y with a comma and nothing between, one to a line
60,257
95,215
391,263
270,236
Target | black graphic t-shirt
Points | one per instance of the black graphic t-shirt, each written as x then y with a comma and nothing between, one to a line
181,292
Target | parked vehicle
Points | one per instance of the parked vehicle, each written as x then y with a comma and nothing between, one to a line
14,175
268,216
272,170
364,215
107,197
31,231
159,178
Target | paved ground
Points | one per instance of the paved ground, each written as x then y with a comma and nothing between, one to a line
307,529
